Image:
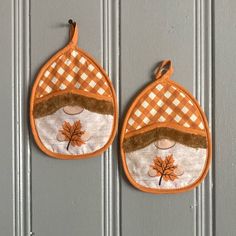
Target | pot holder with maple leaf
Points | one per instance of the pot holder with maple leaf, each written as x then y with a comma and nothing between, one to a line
165,139
73,108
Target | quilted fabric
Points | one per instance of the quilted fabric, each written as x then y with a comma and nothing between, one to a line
165,103
72,70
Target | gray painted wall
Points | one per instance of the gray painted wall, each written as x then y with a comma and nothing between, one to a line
44,196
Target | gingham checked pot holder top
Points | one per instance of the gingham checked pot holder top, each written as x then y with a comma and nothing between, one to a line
165,139
73,108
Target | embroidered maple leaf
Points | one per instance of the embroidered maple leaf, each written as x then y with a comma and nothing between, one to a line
165,168
72,133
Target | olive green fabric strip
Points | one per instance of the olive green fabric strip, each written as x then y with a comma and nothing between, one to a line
142,140
54,103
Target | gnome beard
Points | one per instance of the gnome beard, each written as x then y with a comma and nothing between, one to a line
74,130
166,164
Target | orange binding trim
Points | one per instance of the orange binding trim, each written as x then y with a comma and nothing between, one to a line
74,32
165,69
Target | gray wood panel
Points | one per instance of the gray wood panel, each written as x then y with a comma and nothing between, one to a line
6,101
225,116
66,195
150,32
44,196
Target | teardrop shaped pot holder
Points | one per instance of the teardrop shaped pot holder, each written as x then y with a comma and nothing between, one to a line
73,108
165,139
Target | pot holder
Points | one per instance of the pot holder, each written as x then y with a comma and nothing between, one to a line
165,140
73,108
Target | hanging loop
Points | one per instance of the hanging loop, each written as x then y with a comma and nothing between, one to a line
164,69
73,32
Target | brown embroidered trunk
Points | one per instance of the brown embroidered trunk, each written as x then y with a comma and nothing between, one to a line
144,139
52,104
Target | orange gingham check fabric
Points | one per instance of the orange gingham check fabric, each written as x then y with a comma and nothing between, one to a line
73,70
165,103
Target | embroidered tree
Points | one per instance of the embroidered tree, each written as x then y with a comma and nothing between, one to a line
165,168
72,133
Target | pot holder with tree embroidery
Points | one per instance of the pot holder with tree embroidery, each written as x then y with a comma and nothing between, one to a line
165,139
73,109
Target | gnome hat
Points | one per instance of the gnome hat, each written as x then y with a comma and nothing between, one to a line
72,77
164,110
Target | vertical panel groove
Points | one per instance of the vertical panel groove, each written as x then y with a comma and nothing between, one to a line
115,76
110,171
211,103
21,147
203,64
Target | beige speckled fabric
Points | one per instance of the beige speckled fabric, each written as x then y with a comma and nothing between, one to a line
191,160
99,126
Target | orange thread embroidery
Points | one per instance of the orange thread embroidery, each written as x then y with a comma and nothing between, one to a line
72,133
165,168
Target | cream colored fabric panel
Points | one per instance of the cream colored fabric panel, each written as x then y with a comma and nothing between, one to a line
97,126
189,160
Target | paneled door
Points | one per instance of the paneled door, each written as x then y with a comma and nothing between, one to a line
44,196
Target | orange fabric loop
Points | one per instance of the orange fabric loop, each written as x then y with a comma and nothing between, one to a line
164,69
73,32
